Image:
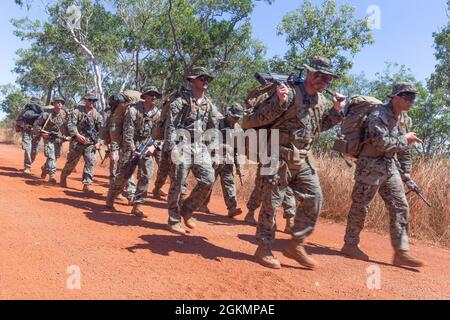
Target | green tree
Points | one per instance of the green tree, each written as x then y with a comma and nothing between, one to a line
324,30
440,79
12,100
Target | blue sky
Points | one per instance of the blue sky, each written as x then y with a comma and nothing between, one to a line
405,35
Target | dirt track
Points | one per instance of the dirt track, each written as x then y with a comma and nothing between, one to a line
46,229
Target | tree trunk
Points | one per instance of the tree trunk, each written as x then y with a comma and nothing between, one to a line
49,94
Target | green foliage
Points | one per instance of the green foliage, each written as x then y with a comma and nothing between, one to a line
12,100
324,30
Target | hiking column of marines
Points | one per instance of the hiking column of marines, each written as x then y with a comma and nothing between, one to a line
177,126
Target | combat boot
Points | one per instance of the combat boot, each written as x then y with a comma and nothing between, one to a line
204,208
137,211
353,251
188,219
295,250
289,225
52,179
43,173
234,212
27,170
250,218
265,257
176,228
402,258
87,188
158,193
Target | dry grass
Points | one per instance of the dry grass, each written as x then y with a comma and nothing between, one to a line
432,176
9,136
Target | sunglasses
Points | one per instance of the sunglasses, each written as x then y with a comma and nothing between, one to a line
152,94
407,96
325,77
204,78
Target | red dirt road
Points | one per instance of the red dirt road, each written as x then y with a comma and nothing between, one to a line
46,229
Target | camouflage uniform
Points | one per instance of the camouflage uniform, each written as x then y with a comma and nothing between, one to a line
195,117
377,171
52,145
298,120
256,197
119,104
225,167
137,127
30,142
80,122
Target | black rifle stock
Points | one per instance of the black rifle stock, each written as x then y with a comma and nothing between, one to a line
279,79
142,150
412,185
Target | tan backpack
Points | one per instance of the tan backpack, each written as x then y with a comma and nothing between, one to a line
117,117
258,96
351,140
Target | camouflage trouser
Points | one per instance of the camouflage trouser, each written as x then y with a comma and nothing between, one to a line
114,166
52,150
164,163
256,198
30,145
196,158
306,187
76,151
393,194
225,171
145,173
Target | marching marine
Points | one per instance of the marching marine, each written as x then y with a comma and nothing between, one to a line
84,125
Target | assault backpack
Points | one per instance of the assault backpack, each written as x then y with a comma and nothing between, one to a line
258,96
351,139
28,116
113,124
160,125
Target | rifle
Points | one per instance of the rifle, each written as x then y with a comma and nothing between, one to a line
107,153
279,79
142,150
55,135
91,133
412,186
238,169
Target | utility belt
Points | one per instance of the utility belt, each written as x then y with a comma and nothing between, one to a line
295,158
370,151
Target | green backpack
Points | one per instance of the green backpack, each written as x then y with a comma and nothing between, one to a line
159,126
351,140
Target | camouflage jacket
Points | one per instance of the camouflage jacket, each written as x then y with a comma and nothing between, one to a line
299,119
385,139
405,157
186,113
88,124
137,125
228,145
57,122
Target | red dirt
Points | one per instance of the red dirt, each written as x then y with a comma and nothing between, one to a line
45,229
